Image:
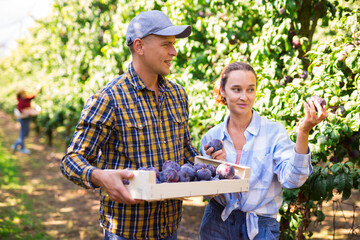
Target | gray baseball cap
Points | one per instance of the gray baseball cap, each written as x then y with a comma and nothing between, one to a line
154,22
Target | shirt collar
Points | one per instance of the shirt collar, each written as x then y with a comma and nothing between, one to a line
138,84
253,128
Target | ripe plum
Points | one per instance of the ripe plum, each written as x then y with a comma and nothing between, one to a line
225,171
184,177
212,169
314,98
216,144
198,166
171,164
189,170
203,174
169,175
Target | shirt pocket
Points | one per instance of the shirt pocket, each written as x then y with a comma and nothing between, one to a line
138,131
176,131
178,118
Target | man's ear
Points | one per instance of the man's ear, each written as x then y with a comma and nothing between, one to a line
138,46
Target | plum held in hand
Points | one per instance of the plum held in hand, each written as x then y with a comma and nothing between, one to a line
225,171
216,144
314,98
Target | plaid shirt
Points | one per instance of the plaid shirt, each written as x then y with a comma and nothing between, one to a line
274,164
122,126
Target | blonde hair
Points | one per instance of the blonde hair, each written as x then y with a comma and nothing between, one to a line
20,93
221,81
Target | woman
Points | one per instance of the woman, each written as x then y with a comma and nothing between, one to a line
25,112
265,147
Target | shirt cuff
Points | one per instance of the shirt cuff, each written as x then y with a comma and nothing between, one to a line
302,160
86,177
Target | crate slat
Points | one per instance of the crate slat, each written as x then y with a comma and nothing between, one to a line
143,185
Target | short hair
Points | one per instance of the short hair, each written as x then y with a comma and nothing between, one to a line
131,48
222,80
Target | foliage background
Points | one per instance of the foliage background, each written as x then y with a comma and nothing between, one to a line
297,47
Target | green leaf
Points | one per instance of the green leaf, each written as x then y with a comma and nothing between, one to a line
320,187
340,182
335,168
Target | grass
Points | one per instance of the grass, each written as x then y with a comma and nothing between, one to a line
17,215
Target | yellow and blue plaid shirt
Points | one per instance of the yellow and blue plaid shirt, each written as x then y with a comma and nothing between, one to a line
122,126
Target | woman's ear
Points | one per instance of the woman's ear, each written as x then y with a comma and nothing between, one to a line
222,93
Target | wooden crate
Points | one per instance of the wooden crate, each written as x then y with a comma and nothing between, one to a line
143,185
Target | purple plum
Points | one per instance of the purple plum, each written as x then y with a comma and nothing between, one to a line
171,164
314,98
212,169
216,144
225,171
215,178
184,177
189,170
203,174
188,165
169,175
198,166
125,181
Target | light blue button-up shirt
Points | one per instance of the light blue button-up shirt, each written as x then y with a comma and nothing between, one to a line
271,156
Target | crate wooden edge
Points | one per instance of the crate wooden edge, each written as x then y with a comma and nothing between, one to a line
143,185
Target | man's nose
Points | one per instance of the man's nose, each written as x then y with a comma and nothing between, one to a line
173,51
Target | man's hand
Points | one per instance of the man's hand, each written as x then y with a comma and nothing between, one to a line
111,181
218,155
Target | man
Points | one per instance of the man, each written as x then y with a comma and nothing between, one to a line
139,119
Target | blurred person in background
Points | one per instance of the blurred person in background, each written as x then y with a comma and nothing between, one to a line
24,112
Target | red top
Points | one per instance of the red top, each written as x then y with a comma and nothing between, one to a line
24,103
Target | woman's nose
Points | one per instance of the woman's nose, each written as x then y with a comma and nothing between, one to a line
242,95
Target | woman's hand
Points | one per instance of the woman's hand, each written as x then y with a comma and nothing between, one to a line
311,119
314,114
218,155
